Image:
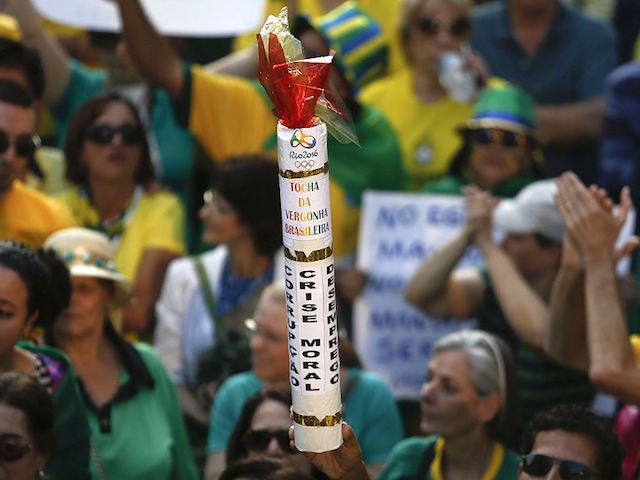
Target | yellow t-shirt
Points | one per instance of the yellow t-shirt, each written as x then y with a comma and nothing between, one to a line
156,223
427,132
51,162
29,216
228,115
635,345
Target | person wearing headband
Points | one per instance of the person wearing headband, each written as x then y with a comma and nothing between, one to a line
469,404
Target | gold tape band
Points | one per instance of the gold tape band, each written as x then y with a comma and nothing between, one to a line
305,173
312,257
313,421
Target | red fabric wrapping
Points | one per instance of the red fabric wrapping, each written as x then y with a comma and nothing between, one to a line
293,87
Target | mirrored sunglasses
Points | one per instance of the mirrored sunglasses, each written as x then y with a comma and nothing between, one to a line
506,138
102,134
25,145
537,465
460,27
258,440
12,451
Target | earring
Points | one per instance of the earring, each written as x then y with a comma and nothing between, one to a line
40,474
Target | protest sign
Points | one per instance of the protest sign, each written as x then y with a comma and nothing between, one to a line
397,231
189,18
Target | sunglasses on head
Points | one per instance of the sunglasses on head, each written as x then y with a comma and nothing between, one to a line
506,138
537,465
24,145
103,134
460,27
259,440
12,451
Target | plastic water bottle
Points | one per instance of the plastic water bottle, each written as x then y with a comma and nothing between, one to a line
459,82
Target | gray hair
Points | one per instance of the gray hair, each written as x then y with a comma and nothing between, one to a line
492,371
274,292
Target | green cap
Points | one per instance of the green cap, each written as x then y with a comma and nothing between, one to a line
361,47
503,105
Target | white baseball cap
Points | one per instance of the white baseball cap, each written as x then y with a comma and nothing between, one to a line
533,210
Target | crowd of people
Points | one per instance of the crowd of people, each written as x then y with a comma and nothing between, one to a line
143,312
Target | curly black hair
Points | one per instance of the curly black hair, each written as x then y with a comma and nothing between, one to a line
578,419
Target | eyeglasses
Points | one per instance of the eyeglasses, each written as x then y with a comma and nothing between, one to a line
103,134
12,451
253,331
538,465
460,27
506,138
210,201
25,145
259,440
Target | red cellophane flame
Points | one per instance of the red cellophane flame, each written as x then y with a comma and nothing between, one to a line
293,87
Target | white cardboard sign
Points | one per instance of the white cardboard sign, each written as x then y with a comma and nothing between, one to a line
189,18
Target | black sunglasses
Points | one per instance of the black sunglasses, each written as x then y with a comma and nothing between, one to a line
12,451
258,440
506,138
25,145
538,465
103,134
460,27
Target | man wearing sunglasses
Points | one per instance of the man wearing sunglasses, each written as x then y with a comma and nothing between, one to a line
26,215
569,442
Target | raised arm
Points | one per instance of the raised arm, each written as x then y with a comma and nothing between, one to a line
55,61
565,339
612,365
439,291
559,123
152,53
524,308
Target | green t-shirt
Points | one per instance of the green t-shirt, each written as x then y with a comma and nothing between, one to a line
405,460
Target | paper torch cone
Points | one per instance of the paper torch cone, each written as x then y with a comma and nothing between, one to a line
310,288
294,85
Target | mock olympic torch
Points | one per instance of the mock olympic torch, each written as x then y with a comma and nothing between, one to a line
294,87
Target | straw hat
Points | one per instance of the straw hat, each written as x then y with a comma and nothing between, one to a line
87,253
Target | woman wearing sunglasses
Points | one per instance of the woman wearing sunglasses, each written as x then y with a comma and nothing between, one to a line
423,115
27,438
137,429
28,294
263,430
500,152
109,163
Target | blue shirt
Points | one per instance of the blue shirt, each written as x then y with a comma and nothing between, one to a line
621,138
571,65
